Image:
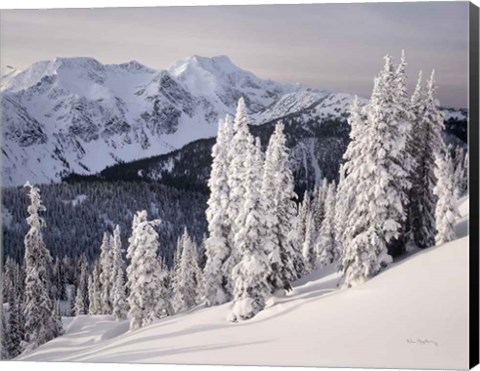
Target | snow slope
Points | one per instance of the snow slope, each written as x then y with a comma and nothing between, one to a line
413,315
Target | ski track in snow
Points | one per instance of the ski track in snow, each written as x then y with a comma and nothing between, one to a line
413,315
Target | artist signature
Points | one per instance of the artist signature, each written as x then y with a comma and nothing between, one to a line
422,342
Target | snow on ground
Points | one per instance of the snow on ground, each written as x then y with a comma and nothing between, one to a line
413,315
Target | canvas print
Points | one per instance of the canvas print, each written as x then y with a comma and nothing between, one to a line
282,185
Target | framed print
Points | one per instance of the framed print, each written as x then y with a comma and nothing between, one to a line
268,185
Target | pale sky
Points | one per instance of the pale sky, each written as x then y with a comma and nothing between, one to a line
330,46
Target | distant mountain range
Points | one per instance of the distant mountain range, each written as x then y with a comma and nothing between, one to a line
77,115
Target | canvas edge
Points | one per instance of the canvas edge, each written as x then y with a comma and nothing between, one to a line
473,136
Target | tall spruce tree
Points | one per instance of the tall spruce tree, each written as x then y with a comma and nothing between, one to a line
327,249
81,298
15,332
106,273
426,144
281,215
308,247
461,171
303,209
240,145
218,245
119,294
145,298
250,275
40,322
378,181
4,355
404,159
188,281
94,291
446,211
341,211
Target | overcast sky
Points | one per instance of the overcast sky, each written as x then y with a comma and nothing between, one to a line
331,46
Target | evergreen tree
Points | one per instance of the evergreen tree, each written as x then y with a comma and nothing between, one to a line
308,248
119,295
106,273
375,181
59,280
250,275
94,291
446,210
79,305
40,322
3,337
145,297
461,172
327,249
9,279
81,298
218,245
240,145
376,178
402,161
278,193
303,211
341,211
4,355
318,204
188,282
14,332
425,145
166,293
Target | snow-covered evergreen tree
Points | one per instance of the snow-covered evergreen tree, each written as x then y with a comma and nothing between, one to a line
40,322
304,209
241,144
119,294
318,204
79,305
15,332
404,159
308,247
377,178
94,291
250,275
341,210
425,145
81,298
145,297
106,273
277,194
460,171
446,210
326,247
10,283
188,281
4,355
218,244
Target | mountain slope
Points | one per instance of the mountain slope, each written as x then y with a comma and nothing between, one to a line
413,315
316,149
77,115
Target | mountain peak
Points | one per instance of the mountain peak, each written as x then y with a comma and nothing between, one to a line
134,66
215,65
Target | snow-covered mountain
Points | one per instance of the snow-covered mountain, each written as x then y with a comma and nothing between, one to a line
79,115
